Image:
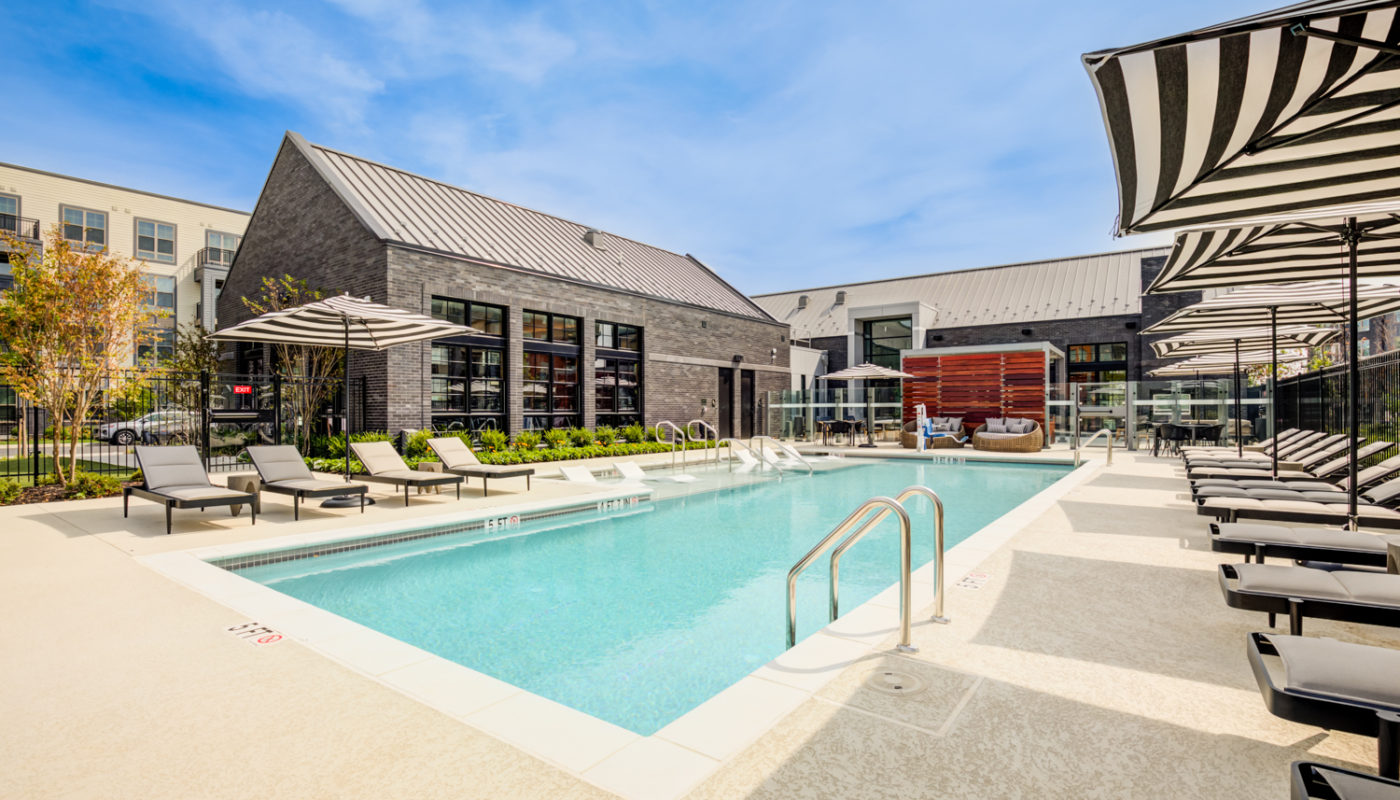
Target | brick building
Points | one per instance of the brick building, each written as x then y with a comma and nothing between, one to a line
577,326
1089,307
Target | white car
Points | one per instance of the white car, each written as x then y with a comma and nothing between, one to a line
158,426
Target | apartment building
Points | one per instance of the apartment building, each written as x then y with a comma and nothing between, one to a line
185,247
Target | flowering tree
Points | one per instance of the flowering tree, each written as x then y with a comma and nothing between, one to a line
71,324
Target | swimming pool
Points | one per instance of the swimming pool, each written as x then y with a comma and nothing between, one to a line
638,615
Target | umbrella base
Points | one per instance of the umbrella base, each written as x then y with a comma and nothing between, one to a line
866,444
346,501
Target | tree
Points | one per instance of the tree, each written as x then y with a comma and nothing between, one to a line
312,373
71,324
194,353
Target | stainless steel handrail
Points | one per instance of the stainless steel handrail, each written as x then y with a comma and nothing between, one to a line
761,438
905,600
732,442
706,430
938,582
794,453
666,423
1090,440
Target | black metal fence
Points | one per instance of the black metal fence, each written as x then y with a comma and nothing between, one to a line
1318,400
218,413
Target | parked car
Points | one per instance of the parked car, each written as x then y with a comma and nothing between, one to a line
158,426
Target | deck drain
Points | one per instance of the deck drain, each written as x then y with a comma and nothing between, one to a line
895,682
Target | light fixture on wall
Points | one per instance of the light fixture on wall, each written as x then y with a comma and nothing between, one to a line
738,359
773,356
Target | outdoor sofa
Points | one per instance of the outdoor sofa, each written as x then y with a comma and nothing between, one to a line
1298,543
1335,685
384,465
952,426
282,470
1346,595
174,476
458,459
1008,435
1309,780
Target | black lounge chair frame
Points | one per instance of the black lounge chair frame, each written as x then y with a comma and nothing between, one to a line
1298,607
299,494
172,503
428,479
1309,783
1293,552
1331,713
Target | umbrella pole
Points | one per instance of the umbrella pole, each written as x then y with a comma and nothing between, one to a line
345,395
1353,373
1273,390
1239,421
869,416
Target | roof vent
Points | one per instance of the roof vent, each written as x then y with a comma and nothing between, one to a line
801,302
594,238
841,298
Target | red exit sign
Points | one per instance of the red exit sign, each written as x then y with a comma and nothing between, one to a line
242,389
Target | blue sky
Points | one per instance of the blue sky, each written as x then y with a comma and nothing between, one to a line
785,144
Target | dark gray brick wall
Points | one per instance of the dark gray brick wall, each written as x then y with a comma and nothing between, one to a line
836,356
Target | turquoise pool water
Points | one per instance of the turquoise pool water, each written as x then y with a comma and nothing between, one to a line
638,616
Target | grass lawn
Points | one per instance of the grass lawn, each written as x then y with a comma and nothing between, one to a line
22,469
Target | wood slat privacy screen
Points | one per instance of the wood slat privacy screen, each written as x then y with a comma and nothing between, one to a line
977,386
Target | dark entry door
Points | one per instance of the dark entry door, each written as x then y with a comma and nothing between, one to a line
725,402
746,403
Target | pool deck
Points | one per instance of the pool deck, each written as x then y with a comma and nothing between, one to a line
1090,655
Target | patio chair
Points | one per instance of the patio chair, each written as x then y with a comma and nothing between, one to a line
282,470
1335,685
1317,508
1364,596
174,476
1316,465
384,465
1310,780
458,459
1300,543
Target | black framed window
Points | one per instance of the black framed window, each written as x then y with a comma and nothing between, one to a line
1098,363
85,227
616,336
542,327
549,390
617,391
488,319
9,214
468,372
883,339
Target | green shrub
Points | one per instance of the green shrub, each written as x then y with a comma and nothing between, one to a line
577,453
493,440
334,446
653,433
86,484
633,433
555,438
605,434
527,440
417,445
9,490
580,437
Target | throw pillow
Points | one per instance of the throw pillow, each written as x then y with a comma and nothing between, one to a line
996,425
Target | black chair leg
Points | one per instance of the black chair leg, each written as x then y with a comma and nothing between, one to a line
485,487
126,504
1272,619
459,488
405,495
1388,745
362,502
167,519
296,507
1295,618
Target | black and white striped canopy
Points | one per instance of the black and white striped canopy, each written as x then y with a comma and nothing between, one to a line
1282,111
1224,340
1220,363
1284,248
342,321
1311,303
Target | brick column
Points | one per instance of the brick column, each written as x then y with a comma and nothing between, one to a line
587,377
515,372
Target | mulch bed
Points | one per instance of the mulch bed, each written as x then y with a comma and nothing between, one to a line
52,492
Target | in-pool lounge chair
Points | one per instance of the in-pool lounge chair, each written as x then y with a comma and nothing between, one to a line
283,471
383,465
1310,780
1300,543
174,476
458,459
633,473
1364,596
1335,685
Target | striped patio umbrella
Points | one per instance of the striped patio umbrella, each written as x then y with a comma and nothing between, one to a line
1220,364
866,371
1281,111
347,322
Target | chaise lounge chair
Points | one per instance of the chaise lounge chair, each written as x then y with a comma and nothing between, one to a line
1334,685
633,473
1321,508
283,471
1313,781
1237,487
1257,541
458,459
1299,463
1372,493
384,465
175,477
1266,447
1364,596
1294,449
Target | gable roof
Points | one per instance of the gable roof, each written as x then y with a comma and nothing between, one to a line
1102,285
403,208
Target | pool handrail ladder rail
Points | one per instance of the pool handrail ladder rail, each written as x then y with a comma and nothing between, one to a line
905,595
1090,440
938,541
706,432
671,440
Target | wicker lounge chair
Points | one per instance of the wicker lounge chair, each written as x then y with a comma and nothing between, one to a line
1008,441
1310,780
1259,541
283,471
459,459
384,465
1371,598
174,476
1334,685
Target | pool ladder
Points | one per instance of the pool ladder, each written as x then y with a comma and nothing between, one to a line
707,432
672,439
887,506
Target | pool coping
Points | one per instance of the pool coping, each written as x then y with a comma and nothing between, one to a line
670,762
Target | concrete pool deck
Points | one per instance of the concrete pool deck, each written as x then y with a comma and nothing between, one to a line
1095,658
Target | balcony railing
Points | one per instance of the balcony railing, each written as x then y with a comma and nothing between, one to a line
19,227
213,258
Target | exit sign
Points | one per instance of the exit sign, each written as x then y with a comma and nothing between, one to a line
243,389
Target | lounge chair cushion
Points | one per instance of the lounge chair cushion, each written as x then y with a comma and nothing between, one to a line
379,458
171,466
1306,536
1344,670
198,492
313,485
454,452
408,475
996,425
278,463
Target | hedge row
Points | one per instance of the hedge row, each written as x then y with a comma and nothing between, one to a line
413,458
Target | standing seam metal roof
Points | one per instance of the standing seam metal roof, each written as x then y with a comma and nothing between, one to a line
421,212
1107,284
